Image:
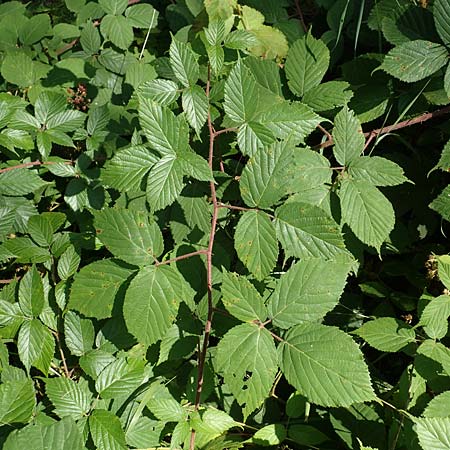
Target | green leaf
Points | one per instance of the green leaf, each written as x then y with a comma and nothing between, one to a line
19,69
308,231
370,101
142,16
241,94
328,95
303,294
184,63
116,7
273,434
35,29
149,317
195,105
68,263
325,365
210,425
438,406
240,40
367,211
119,379
90,39
263,180
433,433
40,230
241,299
444,269
348,137
106,430
126,170
434,317
161,127
415,60
196,166
220,9
118,30
246,356
387,334
79,334
306,64
307,435
97,287
17,401
256,243
441,13
444,160
31,293
24,250
63,435
70,398
253,137
36,345
165,182
95,361
441,204
20,182
195,208
161,91
437,352
378,171
163,406
130,235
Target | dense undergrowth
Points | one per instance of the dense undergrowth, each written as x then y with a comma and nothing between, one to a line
224,225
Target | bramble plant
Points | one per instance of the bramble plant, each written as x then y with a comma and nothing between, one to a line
200,246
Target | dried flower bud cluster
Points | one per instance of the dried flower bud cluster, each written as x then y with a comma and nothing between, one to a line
78,98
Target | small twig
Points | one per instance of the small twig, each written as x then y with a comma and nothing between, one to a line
147,35
35,163
7,281
278,338
225,130
66,369
300,16
325,132
237,208
406,123
179,258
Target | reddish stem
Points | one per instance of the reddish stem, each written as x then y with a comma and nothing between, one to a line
397,126
179,258
300,16
204,349
34,163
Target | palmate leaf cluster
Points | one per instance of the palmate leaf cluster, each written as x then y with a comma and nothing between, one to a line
217,229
